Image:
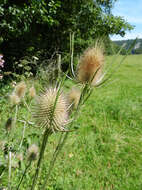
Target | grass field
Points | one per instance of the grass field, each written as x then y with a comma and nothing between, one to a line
105,153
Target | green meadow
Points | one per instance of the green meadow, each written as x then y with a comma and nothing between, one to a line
104,153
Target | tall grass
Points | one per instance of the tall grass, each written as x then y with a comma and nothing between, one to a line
105,151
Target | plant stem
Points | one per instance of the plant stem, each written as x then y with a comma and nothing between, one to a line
72,52
26,105
23,175
9,170
24,128
14,123
44,142
55,154
59,65
63,139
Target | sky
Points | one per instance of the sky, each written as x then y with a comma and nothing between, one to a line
131,11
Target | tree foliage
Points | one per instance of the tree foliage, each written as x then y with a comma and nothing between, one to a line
28,27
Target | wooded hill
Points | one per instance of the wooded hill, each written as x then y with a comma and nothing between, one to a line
126,43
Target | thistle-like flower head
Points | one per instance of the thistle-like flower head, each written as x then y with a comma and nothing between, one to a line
14,99
32,92
20,89
91,62
74,96
19,157
32,152
51,110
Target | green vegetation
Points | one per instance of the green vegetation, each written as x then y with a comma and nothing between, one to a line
41,28
105,151
126,43
83,133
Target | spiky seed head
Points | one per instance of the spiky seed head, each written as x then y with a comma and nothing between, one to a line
74,96
2,145
32,152
32,92
20,89
47,114
19,157
91,61
14,99
8,125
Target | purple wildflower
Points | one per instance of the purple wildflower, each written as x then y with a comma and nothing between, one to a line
1,61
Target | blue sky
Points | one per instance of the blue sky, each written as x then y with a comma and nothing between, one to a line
131,11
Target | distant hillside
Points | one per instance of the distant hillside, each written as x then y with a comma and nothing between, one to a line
126,44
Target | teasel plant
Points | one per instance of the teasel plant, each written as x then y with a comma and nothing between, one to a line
54,112
86,74
89,75
16,99
11,147
50,113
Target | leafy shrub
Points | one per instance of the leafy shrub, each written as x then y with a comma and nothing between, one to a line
33,26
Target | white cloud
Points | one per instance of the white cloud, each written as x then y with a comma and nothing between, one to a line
126,37
132,19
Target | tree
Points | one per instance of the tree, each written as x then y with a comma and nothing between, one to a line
28,27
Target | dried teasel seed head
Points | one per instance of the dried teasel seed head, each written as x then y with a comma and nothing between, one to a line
91,62
19,157
32,92
14,99
74,97
50,115
20,89
8,125
2,145
32,152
